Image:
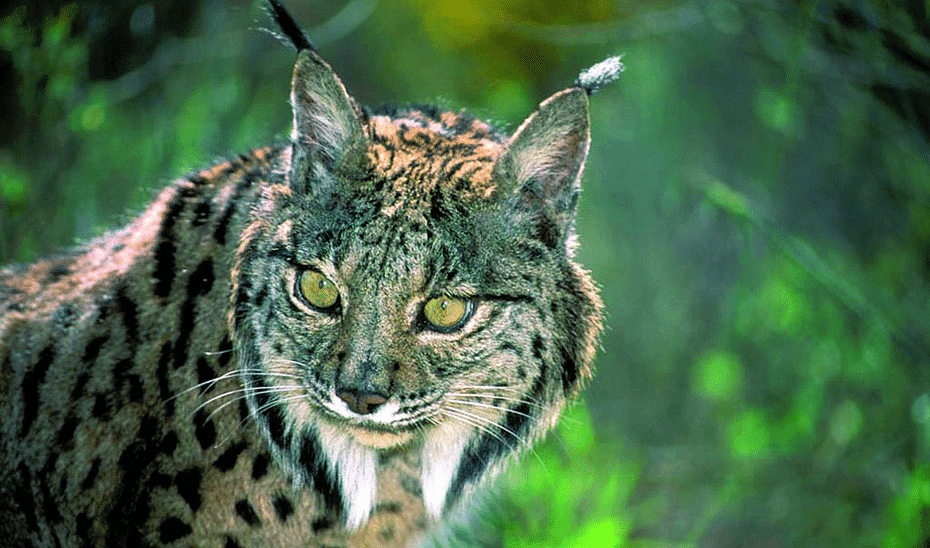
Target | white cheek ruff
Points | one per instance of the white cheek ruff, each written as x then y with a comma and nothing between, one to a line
355,465
442,453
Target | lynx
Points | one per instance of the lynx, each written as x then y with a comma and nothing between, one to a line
334,341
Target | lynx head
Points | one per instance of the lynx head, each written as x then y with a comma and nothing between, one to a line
407,284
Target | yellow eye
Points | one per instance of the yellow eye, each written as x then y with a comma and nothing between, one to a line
446,314
317,289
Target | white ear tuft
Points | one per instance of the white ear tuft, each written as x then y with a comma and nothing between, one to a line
597,76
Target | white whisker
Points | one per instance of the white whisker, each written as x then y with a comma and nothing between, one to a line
492,397
489,406
483,424
486,387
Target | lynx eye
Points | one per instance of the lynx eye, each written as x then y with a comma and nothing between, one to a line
317,289
446,314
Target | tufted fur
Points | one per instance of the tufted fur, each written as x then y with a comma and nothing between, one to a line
166,385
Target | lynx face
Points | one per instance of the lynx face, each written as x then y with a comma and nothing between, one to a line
407,282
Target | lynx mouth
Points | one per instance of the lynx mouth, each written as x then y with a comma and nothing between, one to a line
371,434
380,439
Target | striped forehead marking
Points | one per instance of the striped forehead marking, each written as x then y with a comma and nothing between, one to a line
418,153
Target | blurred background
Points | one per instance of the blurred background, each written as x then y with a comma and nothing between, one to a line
756,209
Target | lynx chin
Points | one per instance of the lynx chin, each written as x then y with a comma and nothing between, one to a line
333,341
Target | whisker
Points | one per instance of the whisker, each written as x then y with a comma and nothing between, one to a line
269,405
489,406
531,449
241,394
480,421
207,385
217,352
492,397
481,427
487,387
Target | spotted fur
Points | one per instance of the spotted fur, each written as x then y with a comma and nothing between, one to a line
166,384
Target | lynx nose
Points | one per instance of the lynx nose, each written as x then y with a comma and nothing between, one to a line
361,402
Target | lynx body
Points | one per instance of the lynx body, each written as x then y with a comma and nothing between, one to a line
334,341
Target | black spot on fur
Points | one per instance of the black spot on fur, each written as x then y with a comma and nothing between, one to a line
66,432
276,425
241,305
92,350
197,179
224,352
260,296
188,485
243,411
204,430
199,283
205,374
32,379
22,493
260,466
222,226
159,480
269,411
247,513
173,529
231,543
169,444
569,370
130,504
539,347
389,507
91,476
82,527
56,273
44,478
508,346
130,314
227,461
123,379
161,373
101,410
282,507
219,232
165,249
202,212
78,391
321,523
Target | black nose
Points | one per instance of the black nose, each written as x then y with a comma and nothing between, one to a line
361,402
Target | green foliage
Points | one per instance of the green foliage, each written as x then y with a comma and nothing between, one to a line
569,492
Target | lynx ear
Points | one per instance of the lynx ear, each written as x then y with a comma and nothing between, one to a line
327,122
540,170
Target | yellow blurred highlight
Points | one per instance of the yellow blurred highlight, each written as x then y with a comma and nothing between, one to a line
92,117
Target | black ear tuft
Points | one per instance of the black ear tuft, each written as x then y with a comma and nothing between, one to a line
292,31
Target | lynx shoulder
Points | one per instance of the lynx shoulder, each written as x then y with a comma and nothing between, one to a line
334,341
